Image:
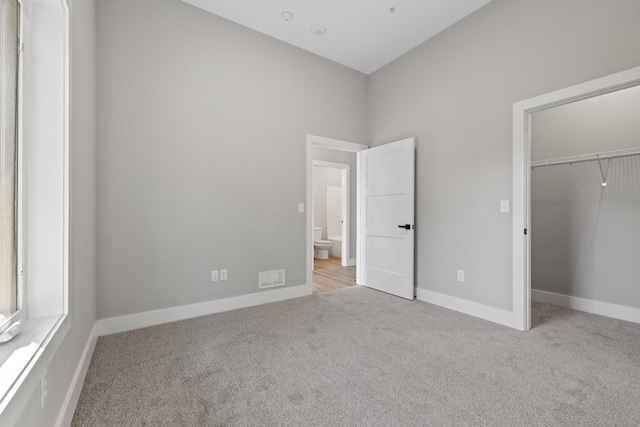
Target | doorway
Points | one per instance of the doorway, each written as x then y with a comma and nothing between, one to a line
522,113
332,206
341,156
331,209
384,233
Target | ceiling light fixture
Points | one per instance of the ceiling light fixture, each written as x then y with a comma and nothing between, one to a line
318,29
286,15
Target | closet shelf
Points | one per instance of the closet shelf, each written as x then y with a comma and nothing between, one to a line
605,155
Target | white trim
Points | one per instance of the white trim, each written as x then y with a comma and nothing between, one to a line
492,314
65,416
622,312
320,141
346,215
520,220
352,262
66,206
521,176
359,230
333,165
130,322
335,144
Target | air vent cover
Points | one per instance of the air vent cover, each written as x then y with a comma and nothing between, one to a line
270,279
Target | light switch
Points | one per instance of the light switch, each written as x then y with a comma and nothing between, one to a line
301,207
504,206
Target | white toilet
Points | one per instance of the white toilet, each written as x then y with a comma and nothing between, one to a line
320,247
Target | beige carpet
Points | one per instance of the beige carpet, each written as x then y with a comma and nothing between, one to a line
357,357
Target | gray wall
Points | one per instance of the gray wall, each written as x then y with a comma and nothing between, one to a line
602,123
82,286
323,178
202,129
584,239
455,94
337,156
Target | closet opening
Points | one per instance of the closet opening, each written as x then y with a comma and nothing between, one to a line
576,200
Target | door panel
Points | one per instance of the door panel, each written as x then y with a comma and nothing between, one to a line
382,170
382,211
384,254
387,201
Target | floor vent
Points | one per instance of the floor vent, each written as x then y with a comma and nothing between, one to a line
270,279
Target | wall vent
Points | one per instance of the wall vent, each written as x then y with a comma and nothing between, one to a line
270,279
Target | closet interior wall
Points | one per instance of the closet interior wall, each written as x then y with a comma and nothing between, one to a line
585,236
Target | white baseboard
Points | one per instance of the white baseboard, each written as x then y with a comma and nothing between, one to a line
73,394
492,314
622,312
351,262
156,317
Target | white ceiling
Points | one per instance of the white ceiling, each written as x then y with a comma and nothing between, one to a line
361,34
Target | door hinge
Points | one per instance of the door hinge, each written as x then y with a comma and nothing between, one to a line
525,231
20,47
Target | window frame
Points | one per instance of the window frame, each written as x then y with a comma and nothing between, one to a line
14,322
44,205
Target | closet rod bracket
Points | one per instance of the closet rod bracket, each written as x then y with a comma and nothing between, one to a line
604,172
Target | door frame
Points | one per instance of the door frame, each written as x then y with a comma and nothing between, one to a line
522,176
335,144
345,185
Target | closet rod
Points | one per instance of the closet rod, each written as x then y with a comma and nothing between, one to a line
587,158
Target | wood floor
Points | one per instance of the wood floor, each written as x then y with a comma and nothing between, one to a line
329,275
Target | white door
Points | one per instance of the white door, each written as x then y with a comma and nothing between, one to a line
386,176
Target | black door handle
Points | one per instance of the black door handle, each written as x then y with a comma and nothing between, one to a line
406,226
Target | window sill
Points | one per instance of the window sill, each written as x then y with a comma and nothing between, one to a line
19,357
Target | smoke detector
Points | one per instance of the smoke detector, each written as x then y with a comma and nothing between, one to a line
286,15
318,29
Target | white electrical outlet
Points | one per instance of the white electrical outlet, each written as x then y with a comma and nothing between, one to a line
214,275
223,274
460,275
44,389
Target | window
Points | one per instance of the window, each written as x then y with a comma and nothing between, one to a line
34,200
9,74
